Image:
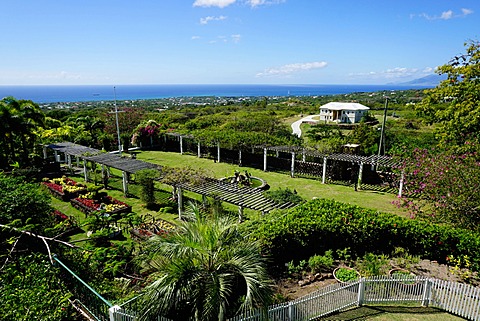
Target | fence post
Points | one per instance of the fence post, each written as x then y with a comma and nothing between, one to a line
112,312
290,310
265,159
324,174
427,293
361,292
292,167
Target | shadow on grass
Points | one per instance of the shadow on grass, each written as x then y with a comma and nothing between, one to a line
369,312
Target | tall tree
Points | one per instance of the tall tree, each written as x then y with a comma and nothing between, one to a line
455,103
206,270
19,122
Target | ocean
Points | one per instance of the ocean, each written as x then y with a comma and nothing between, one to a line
54,94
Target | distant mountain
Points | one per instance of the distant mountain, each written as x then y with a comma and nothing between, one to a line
430,81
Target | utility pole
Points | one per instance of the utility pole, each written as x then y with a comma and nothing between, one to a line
116,121
382,133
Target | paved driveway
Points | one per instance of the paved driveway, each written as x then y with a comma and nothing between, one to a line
296,125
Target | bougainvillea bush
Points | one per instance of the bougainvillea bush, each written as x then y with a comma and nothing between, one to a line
443,186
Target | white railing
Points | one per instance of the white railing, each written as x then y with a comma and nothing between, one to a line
459,299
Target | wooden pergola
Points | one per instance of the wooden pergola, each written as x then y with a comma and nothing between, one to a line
243,197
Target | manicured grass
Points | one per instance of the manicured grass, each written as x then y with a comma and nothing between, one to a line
307,188
393,313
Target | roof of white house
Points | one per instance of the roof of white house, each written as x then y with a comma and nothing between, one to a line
344,106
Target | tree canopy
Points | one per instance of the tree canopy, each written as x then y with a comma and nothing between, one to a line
454,105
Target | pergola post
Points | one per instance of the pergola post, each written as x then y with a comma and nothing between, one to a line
324,174
240,214
218,152
304,156
180,202
125,182
44,152
360,174
85,170
264,159
199,150
181,145
400,188
69,161
292,167
77,160
239,157
56,156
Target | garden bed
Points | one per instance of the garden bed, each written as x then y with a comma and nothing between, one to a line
105,203
64,188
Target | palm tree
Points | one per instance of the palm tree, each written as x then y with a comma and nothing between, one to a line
206,270
19,121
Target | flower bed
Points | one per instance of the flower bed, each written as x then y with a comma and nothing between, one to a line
64,188
160,227
107,203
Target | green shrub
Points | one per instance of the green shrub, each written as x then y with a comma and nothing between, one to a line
319,225
317,263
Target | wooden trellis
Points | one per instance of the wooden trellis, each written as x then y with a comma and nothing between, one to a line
243,197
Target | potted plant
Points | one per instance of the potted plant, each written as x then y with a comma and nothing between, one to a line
344,274
402,275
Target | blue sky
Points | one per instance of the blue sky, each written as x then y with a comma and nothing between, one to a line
113,42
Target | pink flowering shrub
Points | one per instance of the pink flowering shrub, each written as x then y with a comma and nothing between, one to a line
442,186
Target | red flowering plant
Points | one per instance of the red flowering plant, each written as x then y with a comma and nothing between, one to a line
147,133
442,186
89,203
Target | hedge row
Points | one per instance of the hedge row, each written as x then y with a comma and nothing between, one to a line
321,224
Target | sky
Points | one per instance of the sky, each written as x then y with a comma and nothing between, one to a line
121,42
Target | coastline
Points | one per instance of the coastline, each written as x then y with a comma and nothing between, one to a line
96,93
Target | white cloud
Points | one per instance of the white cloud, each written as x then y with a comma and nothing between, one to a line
206,20
394,74
256,3
195,37
289,69
213,3
226,3
235,38
445,15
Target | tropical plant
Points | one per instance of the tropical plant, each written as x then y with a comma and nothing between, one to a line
205,270
20,120
454,105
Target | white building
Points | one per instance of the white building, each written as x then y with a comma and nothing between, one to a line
342,112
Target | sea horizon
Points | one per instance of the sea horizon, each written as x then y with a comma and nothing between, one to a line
43,94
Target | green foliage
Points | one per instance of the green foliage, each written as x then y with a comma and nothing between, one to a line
372,264
318,263
197,271
320,225
146,178
285,195
30,289
25,202
20,119
346,274
366,136
454,105
442,187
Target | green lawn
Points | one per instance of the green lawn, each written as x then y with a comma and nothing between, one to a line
393,313
307,188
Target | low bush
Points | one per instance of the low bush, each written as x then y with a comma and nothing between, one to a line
320,225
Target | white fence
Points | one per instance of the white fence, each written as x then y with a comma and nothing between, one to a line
459,299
